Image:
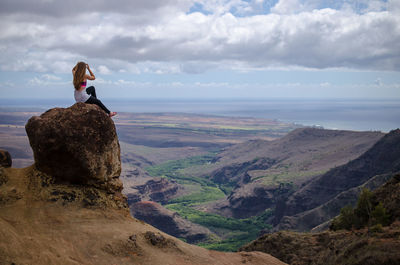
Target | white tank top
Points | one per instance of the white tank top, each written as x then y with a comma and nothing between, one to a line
81,96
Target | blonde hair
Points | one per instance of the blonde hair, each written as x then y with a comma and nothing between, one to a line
79,75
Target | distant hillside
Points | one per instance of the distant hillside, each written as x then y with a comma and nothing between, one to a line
318,218
382,158
166,130
374,247
262,173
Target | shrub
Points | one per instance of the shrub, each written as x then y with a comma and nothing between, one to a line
364,207
366,213
379,215
346,219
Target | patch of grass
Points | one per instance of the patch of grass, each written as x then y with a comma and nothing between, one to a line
206,194
171,168
174,169
198,170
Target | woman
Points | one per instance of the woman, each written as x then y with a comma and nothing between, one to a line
83,94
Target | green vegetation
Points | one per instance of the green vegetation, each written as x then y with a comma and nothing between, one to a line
227,188
346,219
237,232
367,213
172,169
380,216
232,233
206,194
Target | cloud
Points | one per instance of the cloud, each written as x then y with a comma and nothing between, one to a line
47,80
193,67
49,77
288,7
169,37
325,84
7,84
72,8
102,69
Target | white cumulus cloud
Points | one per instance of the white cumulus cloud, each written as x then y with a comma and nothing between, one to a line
195,35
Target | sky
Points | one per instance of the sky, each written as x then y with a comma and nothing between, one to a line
202,49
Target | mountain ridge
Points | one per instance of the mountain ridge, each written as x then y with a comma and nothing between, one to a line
275,167
382,158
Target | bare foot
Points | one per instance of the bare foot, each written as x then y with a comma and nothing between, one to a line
112,114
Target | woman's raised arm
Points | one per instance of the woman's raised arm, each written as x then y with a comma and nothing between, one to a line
91,76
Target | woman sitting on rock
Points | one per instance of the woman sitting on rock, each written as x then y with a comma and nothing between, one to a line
83,94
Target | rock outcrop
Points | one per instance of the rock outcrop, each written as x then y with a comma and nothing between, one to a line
5,159
77,145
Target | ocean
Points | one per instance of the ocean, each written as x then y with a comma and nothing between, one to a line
344,114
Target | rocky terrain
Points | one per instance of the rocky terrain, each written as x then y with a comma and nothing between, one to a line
364,246
78,215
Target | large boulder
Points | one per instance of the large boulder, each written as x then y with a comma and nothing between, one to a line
77,145
5,158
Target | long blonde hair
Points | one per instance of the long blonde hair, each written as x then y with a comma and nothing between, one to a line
79,75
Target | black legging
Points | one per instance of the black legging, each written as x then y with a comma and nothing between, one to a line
93,99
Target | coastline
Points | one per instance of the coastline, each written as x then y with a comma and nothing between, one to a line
340,114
